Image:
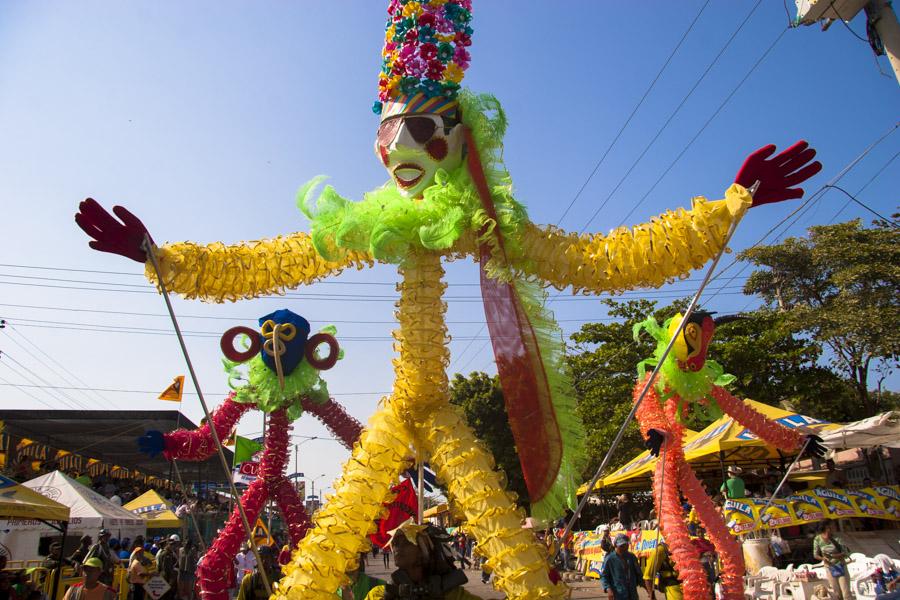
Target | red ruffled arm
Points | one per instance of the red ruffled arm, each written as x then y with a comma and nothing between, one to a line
336,418
788,440
198,444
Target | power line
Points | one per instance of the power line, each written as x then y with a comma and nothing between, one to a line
672,116
57,397
35,357
316,296
864,205
706,124
860,190
186,392
57,363
804,206
4,381
633,112
241,319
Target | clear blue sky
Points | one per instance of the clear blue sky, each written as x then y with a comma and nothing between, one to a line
204,118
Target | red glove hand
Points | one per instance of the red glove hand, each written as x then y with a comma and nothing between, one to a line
109,235
778,176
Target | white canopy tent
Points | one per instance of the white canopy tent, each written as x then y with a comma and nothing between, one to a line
89,512
880,430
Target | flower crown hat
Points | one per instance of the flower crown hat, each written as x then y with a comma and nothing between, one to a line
425,57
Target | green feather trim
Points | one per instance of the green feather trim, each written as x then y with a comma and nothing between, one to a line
690,386
264,390
550,342
390,226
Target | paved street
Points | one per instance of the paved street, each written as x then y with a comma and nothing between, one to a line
580,589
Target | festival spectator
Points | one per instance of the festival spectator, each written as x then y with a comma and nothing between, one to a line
626,509
252,585
244,562
80,553
188,557
420,556
830,550
6,590
886,578
835,477
734,485
92,588
707,553
660,567
167,565
139,572
620,573
102,551
52,560
780,549
606,543
386,556
360,583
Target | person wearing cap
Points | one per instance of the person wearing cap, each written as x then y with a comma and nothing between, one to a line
425,568
734,485
80,554
91,588
102,551
54,557
252,585
167,564
659,566
620,573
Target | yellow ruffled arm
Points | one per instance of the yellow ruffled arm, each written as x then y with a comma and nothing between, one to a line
651,254
217,272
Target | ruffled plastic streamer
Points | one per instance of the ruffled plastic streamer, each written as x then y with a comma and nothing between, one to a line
667,479
335,417
665,492
272,469
342,526
198,444
479,495
788,440
218,272
690,386
667,247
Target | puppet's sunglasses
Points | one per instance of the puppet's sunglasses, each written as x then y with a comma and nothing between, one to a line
421,127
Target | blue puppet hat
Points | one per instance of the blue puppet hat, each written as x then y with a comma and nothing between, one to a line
294,347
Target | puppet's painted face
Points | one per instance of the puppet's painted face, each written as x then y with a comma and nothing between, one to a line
692,345
413,147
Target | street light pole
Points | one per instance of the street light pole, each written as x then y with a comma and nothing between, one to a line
315,499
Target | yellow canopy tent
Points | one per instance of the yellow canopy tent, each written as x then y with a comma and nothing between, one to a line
723,441
19,502
151,507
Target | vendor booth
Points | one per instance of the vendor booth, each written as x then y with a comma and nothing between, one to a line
723,442
88,513
155,511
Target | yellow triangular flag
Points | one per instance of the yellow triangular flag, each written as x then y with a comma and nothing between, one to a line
173,392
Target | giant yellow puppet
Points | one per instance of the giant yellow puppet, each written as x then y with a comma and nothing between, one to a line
450,197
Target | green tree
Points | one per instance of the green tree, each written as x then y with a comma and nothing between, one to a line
481,399
604,369
838,286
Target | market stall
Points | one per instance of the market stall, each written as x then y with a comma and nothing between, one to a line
153,509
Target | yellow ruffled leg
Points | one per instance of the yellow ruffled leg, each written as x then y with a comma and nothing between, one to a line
478,492
331,548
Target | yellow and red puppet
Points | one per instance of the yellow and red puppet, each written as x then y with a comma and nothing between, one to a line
688,381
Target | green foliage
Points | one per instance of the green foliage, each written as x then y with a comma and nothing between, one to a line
481,399
839,287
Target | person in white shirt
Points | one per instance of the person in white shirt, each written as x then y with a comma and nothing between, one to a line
244,562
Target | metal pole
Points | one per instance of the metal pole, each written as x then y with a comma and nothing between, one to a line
421,491
781,483
650,380
151,254
882,16
59,561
